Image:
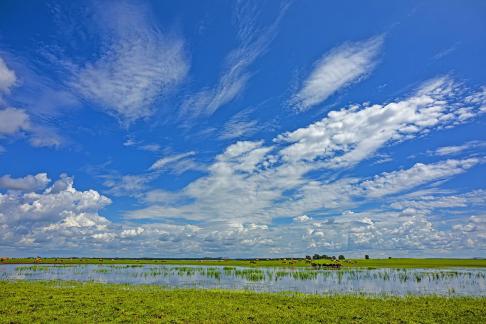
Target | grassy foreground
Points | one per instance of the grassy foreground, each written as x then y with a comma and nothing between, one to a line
28,302
376,263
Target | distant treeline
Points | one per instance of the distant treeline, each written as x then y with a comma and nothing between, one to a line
324,257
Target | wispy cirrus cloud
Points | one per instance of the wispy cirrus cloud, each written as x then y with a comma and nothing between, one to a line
337,69
253,42
132,185
177,164
239,125
150,147
137,64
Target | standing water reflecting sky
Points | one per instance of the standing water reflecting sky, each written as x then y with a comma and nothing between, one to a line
465,282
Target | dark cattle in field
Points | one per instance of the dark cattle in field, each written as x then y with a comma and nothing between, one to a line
327,266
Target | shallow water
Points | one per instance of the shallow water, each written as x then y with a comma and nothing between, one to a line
451,282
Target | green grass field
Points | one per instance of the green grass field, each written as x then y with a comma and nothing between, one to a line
71,302
376,263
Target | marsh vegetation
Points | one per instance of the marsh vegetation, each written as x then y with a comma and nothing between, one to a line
371,281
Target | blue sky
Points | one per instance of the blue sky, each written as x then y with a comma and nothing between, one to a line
203,128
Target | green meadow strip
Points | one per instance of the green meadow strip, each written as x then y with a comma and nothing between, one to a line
73,302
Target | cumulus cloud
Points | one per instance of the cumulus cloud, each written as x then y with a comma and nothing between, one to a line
64,219
337,69
28,183
7,77
137,63
60,206
350,135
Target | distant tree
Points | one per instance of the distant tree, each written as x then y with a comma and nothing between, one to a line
333,257
316,256
389,257
324,256
341,257
308,257
367,257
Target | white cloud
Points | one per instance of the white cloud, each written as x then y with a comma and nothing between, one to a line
454,149
13,120
445,52
302,219
137,64
254,182
161,163
347,136
422,200
28,183
250,184
151,147
134,185
65,219
337,69
177,164
60,218
239,126
132,232
81,220
448,150
128,184
54,204
232,81
41,136
7,77
392,182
